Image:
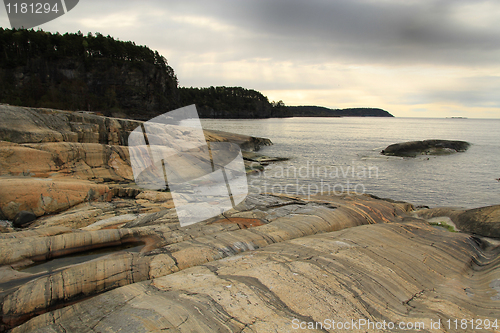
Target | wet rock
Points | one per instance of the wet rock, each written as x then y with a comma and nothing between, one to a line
23,219
426,147
484,221
254,157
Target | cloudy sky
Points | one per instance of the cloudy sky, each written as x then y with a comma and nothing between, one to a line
414,58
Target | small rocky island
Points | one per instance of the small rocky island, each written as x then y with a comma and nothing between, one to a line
102,255
426,147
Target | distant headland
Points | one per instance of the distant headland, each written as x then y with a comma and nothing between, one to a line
319,111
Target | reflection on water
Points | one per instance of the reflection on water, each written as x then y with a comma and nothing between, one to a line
331,154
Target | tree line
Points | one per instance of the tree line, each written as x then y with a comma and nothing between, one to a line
231,102
18,46
75,72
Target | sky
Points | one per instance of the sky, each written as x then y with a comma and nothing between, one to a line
413,58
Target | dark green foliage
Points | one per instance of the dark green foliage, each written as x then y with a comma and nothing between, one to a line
319,111
231,102
19,46
77,72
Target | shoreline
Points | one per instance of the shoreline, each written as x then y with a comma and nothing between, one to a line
259,265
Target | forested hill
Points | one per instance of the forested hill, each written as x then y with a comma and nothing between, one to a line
319,111
100,74
231,102
77,72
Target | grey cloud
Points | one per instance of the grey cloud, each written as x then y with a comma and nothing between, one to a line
315,31
368,31
474,92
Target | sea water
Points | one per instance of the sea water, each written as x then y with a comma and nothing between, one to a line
331,155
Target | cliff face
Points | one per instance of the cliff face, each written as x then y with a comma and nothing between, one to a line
135,90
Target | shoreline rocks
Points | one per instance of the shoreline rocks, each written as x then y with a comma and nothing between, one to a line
47,196
426,147
52,160
355,257
259,222
256,268
322,237
38,125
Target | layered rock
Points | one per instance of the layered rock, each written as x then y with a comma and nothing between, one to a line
259,222
30,125
46,196
105,255
315,263
52,160
426,147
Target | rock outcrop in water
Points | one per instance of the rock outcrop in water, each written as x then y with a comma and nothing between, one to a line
426,147
275,263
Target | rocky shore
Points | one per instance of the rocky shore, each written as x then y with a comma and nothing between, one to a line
102,255
53,160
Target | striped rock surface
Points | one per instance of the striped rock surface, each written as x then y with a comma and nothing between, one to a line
352,259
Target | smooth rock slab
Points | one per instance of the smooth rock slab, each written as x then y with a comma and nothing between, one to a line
177,248
46,196
32,125
400,272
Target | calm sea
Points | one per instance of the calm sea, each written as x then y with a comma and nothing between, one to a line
330,155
